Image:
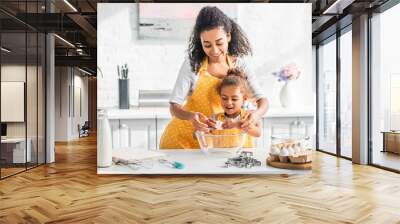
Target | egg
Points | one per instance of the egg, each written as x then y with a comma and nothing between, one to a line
275,150
218,125
296,149
284,152
290,151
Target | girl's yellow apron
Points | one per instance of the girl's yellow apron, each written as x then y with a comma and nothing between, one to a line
205,99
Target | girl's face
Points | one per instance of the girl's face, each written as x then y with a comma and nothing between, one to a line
232,99
215,42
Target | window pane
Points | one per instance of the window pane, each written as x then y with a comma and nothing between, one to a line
346,94
386,89
327,97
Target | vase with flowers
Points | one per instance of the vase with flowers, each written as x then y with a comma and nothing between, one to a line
287,74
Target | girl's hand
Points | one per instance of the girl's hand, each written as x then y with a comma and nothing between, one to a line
200,122
249,119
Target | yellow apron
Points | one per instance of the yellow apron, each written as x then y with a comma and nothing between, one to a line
205,99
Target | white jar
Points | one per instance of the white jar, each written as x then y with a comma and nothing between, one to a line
104,146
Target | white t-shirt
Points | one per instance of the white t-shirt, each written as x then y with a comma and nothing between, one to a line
186,82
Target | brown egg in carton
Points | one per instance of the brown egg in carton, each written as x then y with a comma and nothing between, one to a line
305,157
285,144
274,158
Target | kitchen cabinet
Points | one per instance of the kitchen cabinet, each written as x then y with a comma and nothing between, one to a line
142,129
133,133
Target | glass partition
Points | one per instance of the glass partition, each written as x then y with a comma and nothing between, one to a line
327,96
23,89
385,89
14,154
346,93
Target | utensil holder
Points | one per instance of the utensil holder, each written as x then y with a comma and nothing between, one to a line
123,87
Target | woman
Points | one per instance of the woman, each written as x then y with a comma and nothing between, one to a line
216,45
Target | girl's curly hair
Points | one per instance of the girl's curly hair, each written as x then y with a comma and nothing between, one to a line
237,78
208,19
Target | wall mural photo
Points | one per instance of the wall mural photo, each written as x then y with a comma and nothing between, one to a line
204,88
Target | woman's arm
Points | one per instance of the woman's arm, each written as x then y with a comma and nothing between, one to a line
178,112
252,117
183,84
262,107
198,119
254,130
262,102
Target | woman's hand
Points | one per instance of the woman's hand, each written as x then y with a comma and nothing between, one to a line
249,119
201,122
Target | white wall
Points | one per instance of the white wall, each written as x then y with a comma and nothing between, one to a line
15,72
67,80
80,83
277,39
62,82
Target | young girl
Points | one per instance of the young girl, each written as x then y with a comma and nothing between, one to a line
234,91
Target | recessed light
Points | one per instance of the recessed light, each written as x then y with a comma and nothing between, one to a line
337,7
86,72
70,5
5,50
64,40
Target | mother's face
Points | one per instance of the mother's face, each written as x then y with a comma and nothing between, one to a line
215,42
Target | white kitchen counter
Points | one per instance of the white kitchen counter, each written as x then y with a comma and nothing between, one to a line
164,113
196,162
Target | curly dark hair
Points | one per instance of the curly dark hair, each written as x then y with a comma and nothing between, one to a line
236,77
208,19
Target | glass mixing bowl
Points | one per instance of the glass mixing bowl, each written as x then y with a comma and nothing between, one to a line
221,143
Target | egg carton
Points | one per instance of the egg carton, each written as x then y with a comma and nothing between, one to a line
304,157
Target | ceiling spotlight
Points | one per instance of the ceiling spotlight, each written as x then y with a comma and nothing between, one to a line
337,7
84,71
70,5
64,40
5,50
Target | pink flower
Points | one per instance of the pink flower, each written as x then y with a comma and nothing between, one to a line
288,72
